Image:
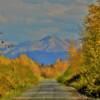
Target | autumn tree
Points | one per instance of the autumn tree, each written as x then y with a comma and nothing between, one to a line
91,43
76,58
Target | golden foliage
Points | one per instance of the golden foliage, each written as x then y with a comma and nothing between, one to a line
23,70
53,71
91,43
17,72
76,57
85,63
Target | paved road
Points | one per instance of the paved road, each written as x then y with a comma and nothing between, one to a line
51,90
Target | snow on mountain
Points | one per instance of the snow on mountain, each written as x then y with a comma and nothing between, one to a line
45,51
49,44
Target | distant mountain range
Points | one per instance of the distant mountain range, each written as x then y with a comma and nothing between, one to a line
44,51
5,46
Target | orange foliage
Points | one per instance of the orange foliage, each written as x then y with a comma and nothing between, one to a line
47,71
53,71
61,66
4,60
22,60
26,61
76,57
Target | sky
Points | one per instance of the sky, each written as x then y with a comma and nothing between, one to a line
24,20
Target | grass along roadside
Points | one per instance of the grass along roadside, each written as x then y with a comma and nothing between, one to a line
16,92
79,81
15,77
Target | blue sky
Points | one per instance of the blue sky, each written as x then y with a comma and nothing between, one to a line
23,20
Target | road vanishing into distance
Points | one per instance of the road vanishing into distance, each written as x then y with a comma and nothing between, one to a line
51,90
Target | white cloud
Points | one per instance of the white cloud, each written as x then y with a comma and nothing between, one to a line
16,10
41,13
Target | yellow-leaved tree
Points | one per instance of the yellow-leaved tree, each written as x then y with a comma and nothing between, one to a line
91,47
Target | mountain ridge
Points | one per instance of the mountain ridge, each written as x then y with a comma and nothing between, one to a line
45,51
